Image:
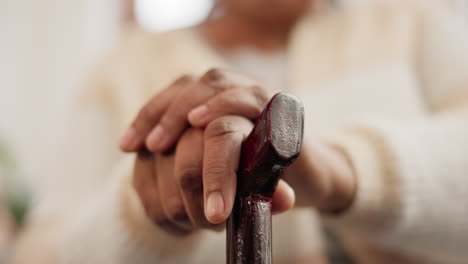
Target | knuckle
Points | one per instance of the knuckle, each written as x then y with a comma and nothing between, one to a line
226,129
213,75
216,79
190,180
182,80
219,127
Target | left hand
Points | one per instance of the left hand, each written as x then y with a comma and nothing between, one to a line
161,122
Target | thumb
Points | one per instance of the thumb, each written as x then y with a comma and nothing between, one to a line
283,198
223,142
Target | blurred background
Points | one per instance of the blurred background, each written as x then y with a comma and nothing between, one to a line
47,47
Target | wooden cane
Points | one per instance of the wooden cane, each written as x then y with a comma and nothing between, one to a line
273,144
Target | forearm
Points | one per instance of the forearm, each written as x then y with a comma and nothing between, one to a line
411,185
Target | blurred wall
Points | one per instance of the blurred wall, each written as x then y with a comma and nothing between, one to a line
462,7
46,47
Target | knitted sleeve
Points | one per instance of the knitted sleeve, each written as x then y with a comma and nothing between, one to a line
412,176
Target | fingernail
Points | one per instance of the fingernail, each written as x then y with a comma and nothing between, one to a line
198,114
156,138
214,206
129,139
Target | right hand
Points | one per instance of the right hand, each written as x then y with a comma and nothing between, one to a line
194,185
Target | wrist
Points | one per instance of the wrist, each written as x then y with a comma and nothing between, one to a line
343,182
323,177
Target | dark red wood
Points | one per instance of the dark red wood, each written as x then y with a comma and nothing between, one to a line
273,144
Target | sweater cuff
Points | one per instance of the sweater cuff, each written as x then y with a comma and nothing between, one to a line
376,201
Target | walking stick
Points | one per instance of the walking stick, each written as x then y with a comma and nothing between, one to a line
270,148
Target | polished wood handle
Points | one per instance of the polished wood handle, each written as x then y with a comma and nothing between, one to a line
273,144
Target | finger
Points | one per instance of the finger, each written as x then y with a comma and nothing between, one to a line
149,115
283,198
223,140
144,181
170,196
145,184
247,101
174,120
188,173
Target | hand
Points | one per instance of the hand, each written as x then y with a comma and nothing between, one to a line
163,119
323,176
194,185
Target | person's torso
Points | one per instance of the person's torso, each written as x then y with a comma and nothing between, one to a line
352,64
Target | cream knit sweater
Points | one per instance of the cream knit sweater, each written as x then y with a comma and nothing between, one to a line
386,81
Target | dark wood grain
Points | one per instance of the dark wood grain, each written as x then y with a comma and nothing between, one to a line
273,144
